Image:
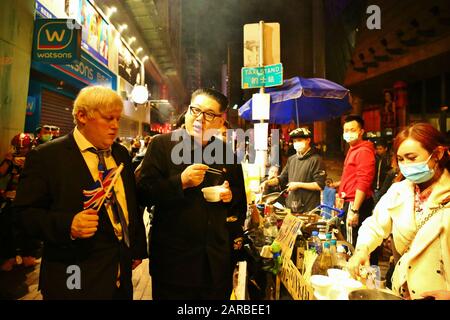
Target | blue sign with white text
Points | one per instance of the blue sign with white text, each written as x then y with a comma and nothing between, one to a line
89,71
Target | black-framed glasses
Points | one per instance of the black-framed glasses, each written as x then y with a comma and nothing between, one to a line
208,115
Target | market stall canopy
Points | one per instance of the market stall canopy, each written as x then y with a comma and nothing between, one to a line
303,100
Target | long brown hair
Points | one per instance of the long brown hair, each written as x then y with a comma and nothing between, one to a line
430,138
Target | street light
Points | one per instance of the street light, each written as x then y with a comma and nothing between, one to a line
140,95
122,27
110,12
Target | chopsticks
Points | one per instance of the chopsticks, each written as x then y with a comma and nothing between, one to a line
214,171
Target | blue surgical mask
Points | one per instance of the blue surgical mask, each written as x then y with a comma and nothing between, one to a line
417,172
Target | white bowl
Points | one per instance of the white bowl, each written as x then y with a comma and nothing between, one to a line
212,194
321,284
352,284
338,274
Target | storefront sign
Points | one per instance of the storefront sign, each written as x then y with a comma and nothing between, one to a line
95,32
43,12
89,71
31,105
94,29
129,66
54,42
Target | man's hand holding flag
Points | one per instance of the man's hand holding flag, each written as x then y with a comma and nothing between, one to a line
84,224
101,189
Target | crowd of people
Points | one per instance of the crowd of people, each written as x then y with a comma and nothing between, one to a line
17,248
87,212
400,198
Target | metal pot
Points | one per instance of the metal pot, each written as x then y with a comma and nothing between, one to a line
371,294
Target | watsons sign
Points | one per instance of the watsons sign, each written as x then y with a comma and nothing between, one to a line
55,55
88,71
55,42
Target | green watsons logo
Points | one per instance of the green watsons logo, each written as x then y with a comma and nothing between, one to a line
54,36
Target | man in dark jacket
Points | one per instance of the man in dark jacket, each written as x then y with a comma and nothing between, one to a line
89,251
190,240
304,174
382,167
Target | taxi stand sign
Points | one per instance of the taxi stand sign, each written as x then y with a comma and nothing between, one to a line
258,77
56,41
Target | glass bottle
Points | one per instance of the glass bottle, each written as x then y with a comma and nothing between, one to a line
323,261
333,252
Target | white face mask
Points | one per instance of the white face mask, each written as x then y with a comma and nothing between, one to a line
350,136
299,146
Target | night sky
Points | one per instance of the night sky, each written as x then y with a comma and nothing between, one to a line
221,22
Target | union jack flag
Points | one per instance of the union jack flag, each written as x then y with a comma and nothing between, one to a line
95,194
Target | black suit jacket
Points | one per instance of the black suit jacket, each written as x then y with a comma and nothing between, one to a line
48,197
190,238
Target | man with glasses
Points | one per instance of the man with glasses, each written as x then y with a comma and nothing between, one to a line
190,245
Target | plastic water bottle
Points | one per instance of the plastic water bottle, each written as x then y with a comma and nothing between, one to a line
315,243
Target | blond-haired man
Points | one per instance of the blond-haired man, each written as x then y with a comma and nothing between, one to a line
88,253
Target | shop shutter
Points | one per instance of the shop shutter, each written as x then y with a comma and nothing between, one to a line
57,111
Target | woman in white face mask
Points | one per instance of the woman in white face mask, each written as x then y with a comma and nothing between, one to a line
416,211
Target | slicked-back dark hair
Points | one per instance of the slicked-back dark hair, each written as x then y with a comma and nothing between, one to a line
355,117
381,142
214,94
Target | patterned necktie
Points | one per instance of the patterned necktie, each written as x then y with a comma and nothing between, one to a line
115,205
